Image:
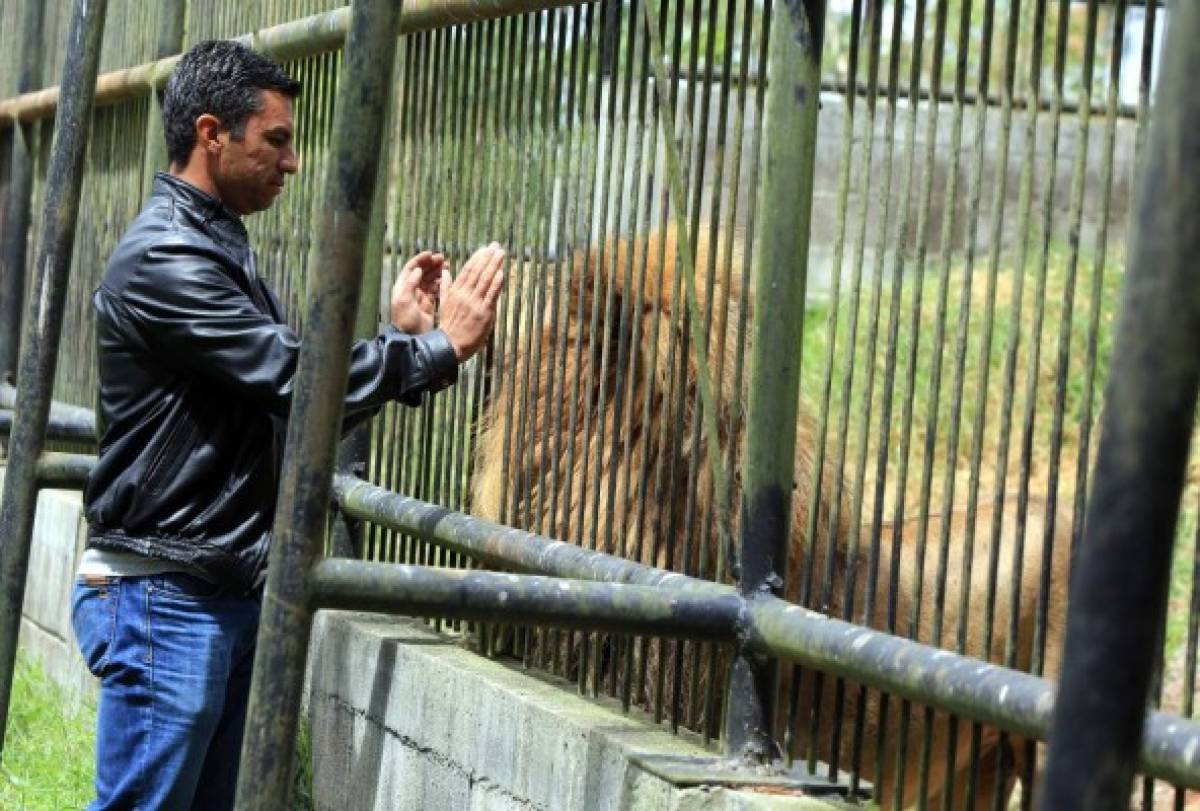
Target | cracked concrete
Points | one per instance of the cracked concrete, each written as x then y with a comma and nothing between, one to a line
403,717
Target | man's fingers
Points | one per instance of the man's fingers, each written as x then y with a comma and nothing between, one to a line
491,266
419,260
493,291
470,270
469,277
410,279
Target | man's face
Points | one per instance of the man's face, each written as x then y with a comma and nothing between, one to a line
250,170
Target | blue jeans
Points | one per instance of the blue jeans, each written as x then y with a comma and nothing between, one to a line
173,654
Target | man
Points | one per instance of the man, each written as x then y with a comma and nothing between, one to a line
197,370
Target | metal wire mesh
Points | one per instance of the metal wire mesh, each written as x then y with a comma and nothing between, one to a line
973,193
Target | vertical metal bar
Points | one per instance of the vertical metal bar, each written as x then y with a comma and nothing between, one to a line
346,534
722,206
887,394
688,322
35,379
589,112
363,97
1193,639
695,143
20,192
1098,272
554,149
604,31
1063,363
1120,592
1016,326
845,163
648,468
908,391
979,425
924,215
871,35
754,166
794,75
717,322
575,112
671,429
382,434
168,41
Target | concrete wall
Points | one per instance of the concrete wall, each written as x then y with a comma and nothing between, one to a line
405,718
1052,159
446,729
46,635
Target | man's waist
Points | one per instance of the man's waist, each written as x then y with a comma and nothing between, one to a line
98,563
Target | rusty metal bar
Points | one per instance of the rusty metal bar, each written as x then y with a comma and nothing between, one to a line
59,412
973,689
20,193
64,471
551,601
56,427
364,94
796,39
35,379
1013,701
346,537
309,36
1119,594
497,545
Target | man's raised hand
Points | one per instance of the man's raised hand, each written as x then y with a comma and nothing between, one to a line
415,291
468,308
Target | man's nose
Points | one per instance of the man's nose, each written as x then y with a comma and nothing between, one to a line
290,163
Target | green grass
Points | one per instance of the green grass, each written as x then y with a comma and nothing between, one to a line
1182,569
976,389
48,751
856,349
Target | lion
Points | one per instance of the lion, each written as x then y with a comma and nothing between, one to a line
563,449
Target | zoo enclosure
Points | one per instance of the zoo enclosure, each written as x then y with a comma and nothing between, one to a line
578,81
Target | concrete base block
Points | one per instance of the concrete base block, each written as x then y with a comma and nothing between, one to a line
404,718
59,534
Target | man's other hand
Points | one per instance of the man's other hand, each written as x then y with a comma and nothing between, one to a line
415,291
469,301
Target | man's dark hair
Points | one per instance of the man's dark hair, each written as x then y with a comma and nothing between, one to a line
222,78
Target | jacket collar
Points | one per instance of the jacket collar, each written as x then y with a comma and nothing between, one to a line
215,215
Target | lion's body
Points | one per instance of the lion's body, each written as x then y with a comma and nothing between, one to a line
567,452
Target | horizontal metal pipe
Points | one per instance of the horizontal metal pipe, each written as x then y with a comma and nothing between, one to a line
64,471
1014,701
558,602
500,546
882,92
58,427
316,34
60,411
1011,700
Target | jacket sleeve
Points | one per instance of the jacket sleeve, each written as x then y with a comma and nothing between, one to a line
186,308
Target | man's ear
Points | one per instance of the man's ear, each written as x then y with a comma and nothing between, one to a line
208,132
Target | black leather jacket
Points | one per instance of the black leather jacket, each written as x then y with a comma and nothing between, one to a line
196,375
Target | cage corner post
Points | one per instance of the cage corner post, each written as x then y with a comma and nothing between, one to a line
781,268
265,780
